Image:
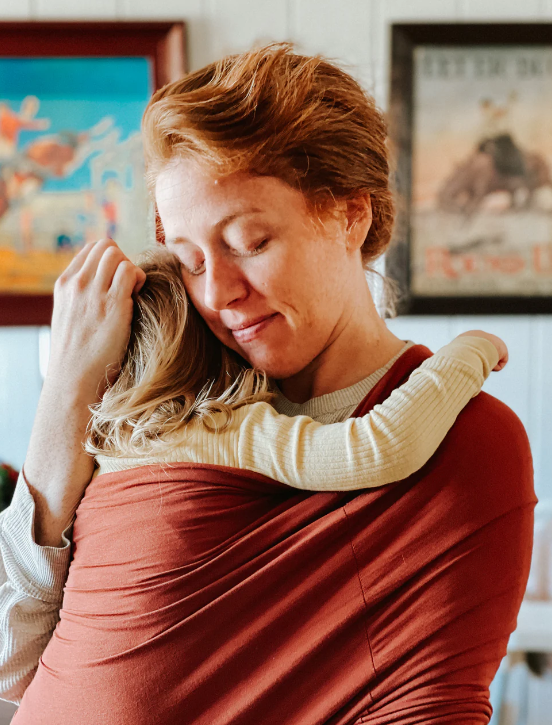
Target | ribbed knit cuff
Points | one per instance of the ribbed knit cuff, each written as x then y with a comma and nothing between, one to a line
472,350
39,571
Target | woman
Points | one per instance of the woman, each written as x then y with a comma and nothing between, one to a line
271,181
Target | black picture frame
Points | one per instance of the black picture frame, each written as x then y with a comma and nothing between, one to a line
405,39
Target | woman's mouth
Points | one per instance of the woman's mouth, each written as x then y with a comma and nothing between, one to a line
252,329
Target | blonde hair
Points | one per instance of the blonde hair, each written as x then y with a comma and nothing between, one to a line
174,371
273,112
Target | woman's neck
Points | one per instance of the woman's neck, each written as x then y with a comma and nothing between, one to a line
362,345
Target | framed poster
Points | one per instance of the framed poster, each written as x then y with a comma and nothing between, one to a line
72,97
470,121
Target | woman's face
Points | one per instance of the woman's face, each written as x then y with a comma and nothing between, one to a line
270,283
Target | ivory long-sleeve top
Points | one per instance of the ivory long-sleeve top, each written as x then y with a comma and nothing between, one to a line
390,443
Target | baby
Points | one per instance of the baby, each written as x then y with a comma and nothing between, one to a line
181,396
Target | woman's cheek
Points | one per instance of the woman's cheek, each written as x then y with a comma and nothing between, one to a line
269,274
195,291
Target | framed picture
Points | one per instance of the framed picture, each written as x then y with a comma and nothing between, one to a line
470,120
72,97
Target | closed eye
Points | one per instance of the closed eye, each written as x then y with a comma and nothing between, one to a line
248,253
196,271
256,250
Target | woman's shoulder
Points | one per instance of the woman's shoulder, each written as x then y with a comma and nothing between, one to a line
494,419
490,443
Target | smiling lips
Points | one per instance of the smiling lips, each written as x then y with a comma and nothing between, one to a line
249,330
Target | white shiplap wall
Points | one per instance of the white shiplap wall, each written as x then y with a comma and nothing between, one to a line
357,33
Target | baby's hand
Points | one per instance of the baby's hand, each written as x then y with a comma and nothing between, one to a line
497,342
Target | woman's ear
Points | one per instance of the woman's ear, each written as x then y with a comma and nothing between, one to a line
359,220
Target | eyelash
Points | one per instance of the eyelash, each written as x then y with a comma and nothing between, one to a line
193,272
257,250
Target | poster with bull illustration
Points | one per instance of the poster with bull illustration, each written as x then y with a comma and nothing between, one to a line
71,163
481,195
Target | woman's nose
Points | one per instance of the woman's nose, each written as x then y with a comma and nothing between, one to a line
224,284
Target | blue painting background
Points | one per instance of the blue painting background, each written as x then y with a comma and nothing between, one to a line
76,93
71,163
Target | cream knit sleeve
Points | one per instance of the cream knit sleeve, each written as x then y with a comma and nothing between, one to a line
32,578
390,443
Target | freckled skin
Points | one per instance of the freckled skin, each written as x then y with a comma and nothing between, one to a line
323,331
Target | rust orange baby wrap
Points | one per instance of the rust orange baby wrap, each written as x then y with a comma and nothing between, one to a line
210,596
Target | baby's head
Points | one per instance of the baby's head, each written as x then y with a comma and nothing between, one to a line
174,370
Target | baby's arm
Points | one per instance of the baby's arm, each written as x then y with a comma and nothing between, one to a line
390,443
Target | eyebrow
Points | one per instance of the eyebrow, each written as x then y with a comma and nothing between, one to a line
219,225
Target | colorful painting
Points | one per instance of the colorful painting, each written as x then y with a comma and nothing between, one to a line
481,194
71,163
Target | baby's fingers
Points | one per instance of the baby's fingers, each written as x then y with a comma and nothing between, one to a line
502,354
503,360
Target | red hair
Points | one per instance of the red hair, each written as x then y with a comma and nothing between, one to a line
273,112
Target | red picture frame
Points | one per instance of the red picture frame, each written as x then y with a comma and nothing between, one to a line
163,43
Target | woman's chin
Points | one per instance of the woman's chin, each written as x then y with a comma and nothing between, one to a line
275,350
278,363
